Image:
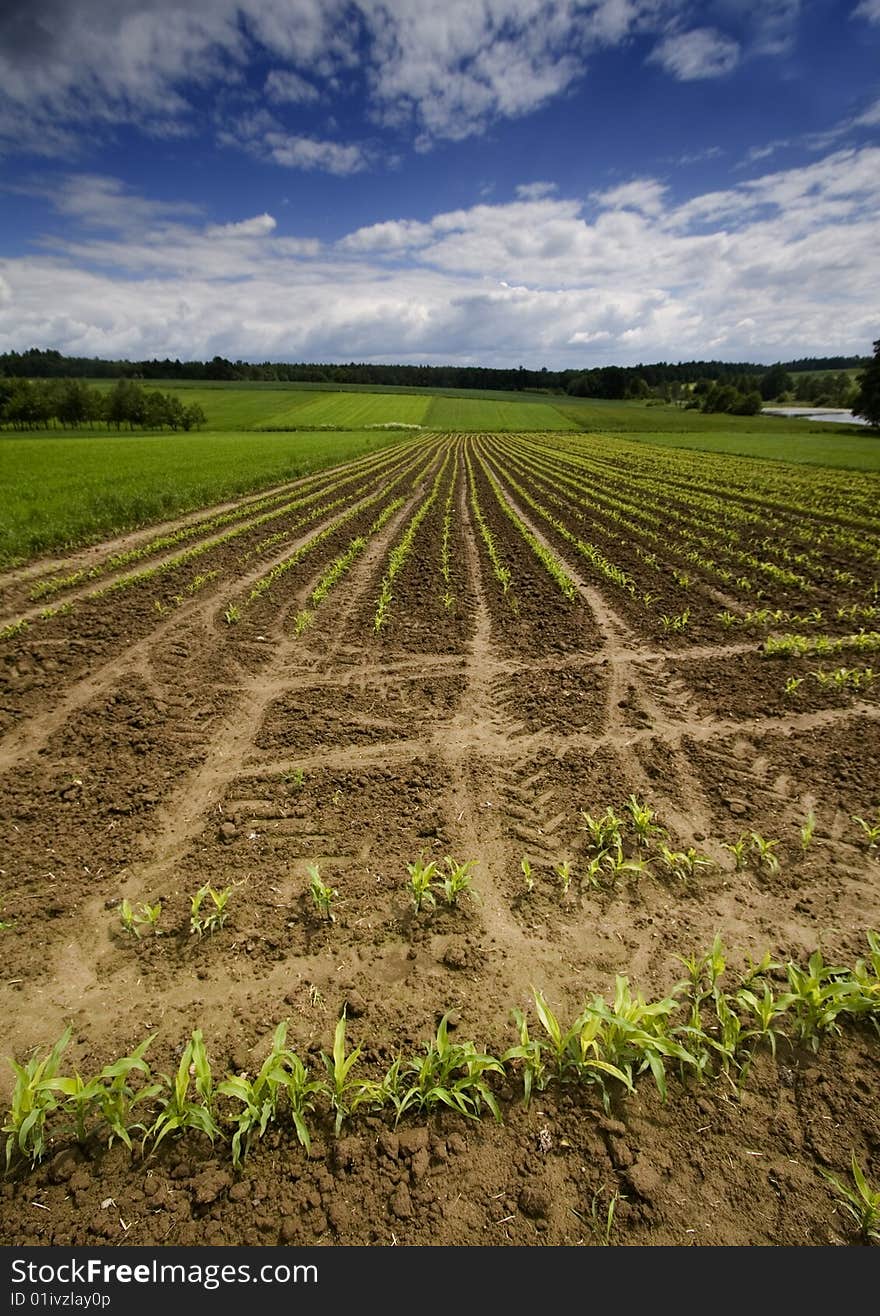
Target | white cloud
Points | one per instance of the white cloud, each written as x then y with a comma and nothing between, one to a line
443,72
700,53
535,191
285,87
308,153
644,194
257,227
772,268
869,10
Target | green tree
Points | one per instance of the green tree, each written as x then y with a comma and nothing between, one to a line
776,381
867,402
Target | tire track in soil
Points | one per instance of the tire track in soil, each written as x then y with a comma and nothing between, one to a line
32,734
76,981
631,687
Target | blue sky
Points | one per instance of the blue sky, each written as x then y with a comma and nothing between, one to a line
559,183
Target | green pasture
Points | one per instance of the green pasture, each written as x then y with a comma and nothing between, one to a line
349,411
60,492
481,415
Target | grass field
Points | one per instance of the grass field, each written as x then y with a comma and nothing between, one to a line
461,414
348,411
60,492
62,489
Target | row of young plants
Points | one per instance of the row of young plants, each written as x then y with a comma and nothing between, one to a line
447,596
699,534
529,470
500,570
147,575
402,550
417,464
704,1027
254,512
730,500
600,563
545,556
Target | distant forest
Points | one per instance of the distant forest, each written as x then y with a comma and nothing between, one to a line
604,381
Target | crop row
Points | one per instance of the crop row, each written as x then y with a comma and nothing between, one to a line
702,1027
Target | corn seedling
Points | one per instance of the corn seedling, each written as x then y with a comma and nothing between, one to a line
526,867
180,1110
684,864
134,919
295,777
109,1095
792,685
564,873
807,831
258,1096
861,1202
421,875
578,1051
302,621
763,849
602,1219
531,1052
321,894
675,622
605,832
33,1100
345,1094
215,918
739,851
452,1074
643,820
870,829
818,994
232,615
456,879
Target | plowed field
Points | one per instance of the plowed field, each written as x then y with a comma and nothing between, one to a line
570,624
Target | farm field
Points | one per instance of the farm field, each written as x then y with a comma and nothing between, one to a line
517,793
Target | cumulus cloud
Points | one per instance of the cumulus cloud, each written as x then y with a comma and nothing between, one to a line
534,191
443,73
700,53
773,267
869,10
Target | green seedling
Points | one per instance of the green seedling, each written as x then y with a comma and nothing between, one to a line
793,684
134,919
456,879
870,829
302,621
807,831
421,875
345,1094
33,1101
684,864
526,867
739,850
180,1110
861,1202
602,1219
644,821
452,1074
108,1095
605,832
321,894
763,848
564,873
232,615
295,777
215,918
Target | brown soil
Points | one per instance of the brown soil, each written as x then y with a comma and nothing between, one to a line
148,746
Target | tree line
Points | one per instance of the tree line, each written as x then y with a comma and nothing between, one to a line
603,382
28,404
